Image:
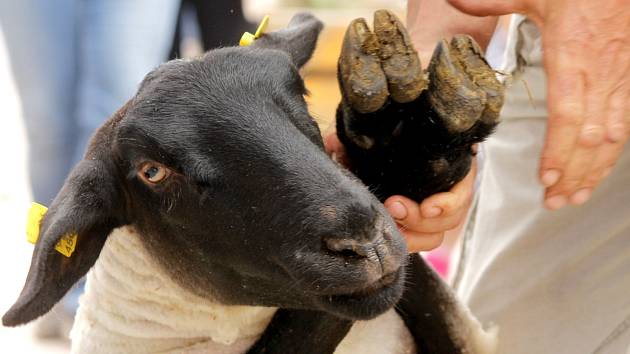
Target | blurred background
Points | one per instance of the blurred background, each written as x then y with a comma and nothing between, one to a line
66,65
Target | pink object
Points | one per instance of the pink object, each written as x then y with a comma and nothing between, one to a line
439,259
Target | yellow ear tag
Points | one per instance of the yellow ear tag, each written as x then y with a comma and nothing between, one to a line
248,38
66,244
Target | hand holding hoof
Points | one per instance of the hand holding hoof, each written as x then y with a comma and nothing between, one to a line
424,224
408,132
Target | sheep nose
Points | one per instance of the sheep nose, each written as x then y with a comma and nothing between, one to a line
349,248
374,256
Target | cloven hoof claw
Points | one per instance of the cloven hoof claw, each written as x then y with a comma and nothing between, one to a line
463,87
361,78
376,65
400,61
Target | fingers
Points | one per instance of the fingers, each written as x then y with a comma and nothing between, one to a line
463,88
451,205
419,242
413,219
406,212
619,119
586,51
601,167
587,102
487,7
581,192
566,91
335,149
424,224
442,207
399,59
362,81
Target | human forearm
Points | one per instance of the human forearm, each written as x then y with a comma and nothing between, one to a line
429,21
586,46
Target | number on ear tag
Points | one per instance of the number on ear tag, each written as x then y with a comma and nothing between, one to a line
66,244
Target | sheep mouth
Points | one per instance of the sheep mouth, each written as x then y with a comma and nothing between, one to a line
375,287
367,302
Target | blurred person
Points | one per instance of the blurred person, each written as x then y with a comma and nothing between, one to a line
74,63
553,281
220,24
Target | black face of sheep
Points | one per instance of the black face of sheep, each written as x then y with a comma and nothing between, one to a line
219,166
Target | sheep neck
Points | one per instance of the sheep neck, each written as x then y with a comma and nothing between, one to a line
130,304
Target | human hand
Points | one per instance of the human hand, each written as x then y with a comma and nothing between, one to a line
335,149
586,57
423,224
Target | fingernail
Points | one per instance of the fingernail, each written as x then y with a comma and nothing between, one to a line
397,210
580,197
432,212
333,156
616,132
556,202
550,177
592,135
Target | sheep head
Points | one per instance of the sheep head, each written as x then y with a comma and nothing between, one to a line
219,166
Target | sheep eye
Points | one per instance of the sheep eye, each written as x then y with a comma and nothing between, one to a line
153,173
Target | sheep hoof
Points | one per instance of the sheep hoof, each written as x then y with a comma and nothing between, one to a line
399,59
463,88
406,131
363,82
376,66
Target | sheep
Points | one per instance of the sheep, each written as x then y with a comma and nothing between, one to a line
211,220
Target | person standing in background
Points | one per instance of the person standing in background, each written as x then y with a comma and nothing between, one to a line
546,250
220,24
75,62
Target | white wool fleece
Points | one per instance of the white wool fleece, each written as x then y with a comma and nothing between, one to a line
131,306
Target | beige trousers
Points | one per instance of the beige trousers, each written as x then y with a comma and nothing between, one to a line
555,282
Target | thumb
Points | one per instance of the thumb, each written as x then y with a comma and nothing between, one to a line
332,143
335,149
487,7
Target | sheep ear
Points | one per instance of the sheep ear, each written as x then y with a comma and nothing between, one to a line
88,205
298,39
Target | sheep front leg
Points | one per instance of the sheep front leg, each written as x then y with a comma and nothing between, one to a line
302,331
410,132
437,321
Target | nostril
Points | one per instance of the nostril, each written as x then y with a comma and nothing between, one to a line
348,248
